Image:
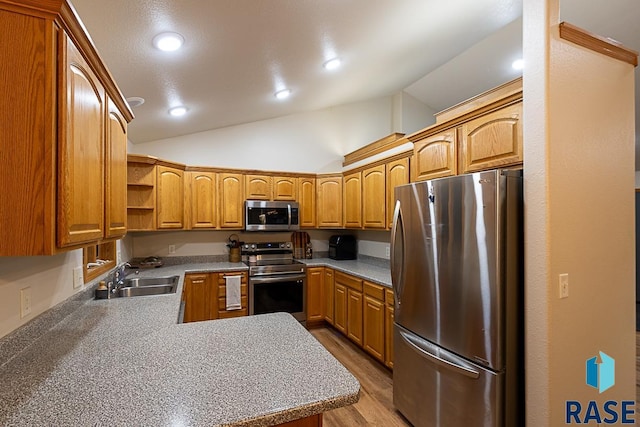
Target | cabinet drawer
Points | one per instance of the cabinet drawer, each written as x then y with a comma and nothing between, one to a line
349,281
388,296
222,275
222,290
373,290
222,304
229,314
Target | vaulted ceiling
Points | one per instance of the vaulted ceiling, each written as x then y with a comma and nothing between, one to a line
238,53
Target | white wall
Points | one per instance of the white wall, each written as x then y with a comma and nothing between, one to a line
307,142
579,218
49,277
637,179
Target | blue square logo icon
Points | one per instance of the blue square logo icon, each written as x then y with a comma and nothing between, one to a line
601,374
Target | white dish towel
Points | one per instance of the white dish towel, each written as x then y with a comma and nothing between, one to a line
233,292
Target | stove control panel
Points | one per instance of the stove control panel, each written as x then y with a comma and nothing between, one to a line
266,247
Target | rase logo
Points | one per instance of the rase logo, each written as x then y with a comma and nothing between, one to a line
600,373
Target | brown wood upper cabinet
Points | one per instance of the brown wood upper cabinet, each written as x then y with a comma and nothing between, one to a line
329,201
493,140
116,173
285,188
201,199
436,156
258,187
231,200
352,201
170,197
55,124
307,200
482,133
373,197
397,174
81,150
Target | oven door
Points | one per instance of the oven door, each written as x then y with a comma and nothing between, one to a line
281,293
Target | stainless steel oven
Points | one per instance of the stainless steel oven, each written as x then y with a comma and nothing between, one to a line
277,282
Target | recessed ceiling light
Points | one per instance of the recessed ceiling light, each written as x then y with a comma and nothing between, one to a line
283,94
135,101
168,42
178,111
518,64
332,64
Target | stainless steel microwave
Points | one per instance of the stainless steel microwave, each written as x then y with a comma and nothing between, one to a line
271,216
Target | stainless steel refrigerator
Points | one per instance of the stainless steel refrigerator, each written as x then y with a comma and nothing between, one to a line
457,273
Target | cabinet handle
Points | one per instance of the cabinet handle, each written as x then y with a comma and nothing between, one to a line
197,281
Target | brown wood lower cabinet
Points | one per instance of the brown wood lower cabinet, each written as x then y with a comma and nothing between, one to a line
361,310
315,285
388,328
198,294
374,320
312,421
329,305
204,295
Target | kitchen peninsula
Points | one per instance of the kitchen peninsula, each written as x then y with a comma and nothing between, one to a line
128,361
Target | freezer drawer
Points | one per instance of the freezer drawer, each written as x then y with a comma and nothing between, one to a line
435,388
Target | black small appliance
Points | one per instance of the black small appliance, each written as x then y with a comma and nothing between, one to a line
342,247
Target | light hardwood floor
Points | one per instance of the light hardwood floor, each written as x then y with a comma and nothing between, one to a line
375,407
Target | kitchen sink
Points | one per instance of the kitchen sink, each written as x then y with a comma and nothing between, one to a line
134,282
144,286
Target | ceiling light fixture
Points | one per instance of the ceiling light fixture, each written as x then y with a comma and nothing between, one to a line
283,94
178,111
168,42
332,64
135,101
518,64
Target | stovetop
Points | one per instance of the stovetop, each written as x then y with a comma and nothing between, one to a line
275,258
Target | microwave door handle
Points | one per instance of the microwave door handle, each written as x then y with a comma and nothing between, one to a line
289,216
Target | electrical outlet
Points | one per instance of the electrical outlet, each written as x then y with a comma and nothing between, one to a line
78,278
172,249
387,251
564,285
25,301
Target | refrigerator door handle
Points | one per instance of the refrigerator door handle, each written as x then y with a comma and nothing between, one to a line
415,345
396,272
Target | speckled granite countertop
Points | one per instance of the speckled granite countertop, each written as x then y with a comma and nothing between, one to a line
372,269
127,361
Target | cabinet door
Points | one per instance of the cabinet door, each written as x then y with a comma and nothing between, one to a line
80,150
388,335
315,284
258,187
285,188
170,197
202,200
116,173
493,140
397,174
354,315
373,197
231,200
353,200
307,200
340,308
329,296
435,156
198,296
329,202
373,317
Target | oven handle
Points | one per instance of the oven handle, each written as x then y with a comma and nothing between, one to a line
279,278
